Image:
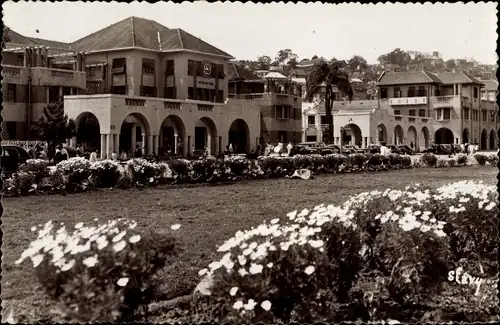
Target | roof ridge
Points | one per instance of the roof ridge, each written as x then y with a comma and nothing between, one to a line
180,37
133,30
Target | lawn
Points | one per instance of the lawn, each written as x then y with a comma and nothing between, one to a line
208,215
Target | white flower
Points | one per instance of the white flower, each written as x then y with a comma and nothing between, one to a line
255,268
102,242
250,305
134,239
33,229
122,282
119,246
37,259
202,272
79,225
233,291
490,206
316,243
266,305
90,261
270,264
309,270
238,305
175,227
275,221
242,272
242,260
119,237
68,266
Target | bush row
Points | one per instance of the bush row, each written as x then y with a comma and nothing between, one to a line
78,174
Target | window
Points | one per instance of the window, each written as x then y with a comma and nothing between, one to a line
91,71
412,112
219,97
119,90
148,91
148,66
169,67
438,114
170,92
476,115
476,92
466,113
278,112
11,93
311,120
485,116
421,112
446,113
12,130
191,67
119,66
53,94
323,120
199,94
190,93
437,92
411,91
397,92
220,71
286,112
397,112
383,93
199,70
422,92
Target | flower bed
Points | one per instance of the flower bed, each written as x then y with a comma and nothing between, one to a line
78,174
380,255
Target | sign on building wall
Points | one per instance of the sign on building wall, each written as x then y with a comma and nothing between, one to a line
205,83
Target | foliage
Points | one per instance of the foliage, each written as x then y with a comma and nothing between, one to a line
100,272
481,159
429,159
38,167
493,160
105,173
441,163
75,172
462,159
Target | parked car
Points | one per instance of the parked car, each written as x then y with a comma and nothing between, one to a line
373,148
304,149
394,149
353,149
405,149
330,149
13,157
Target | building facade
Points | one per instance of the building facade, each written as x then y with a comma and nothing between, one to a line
412,107
138,83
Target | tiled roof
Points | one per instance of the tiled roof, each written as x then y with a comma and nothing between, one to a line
407,78
130,32
355,105
456,78
16,38
490,84
237,72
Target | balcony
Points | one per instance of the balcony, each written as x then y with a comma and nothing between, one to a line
57,77
408,101
274,98
15,74
445,101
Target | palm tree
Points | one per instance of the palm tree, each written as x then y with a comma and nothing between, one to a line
328,75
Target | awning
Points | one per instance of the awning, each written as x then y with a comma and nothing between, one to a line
96,64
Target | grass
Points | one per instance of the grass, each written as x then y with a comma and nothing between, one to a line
208,215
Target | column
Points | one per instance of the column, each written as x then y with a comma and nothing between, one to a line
370,140
134,139
176,144
150,145
143,145
188,145
209,143
116,143
72,142
155,145
103,146
366,142
220,145
109,145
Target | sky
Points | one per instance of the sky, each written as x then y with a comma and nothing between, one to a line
249,30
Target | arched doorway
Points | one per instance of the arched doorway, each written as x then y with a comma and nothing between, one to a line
352,135
443,136
493,144
205,135
465,136
172,130
425,137
134,132
239,136
484,139
398,135
381,133
88,131
412,137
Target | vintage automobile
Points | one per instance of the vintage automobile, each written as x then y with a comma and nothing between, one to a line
373,148
13,157
394,149
406,149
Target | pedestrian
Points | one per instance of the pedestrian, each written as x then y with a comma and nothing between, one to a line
64,153
231,150
123,155
412,146
289,148
93,156
180,148
138,151
31,151
79,150
476,148
466,146
114,156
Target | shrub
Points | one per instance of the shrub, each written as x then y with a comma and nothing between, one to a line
38,167
481,159
76,172
493,160
429,159
21,183
462,159
101,272
180,168
452,162
142,171
417,163
406,161
357,160
105,173
395,160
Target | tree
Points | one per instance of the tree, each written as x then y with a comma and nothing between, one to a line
54,126
284,56
314,57
357,62
263,62
329,74
397,57
451,64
